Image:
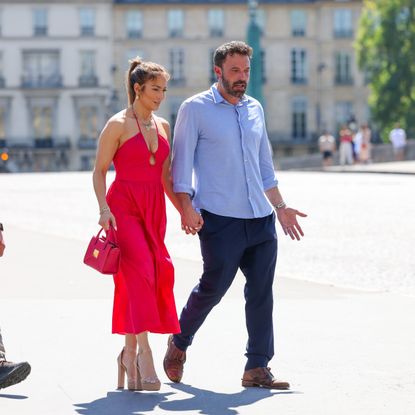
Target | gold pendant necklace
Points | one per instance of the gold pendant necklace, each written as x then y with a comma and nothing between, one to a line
147,125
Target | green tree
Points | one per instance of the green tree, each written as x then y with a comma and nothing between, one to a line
385,48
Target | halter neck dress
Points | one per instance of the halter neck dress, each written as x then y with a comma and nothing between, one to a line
143,295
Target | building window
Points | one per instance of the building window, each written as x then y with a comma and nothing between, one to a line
177,66
40,22
298,66
134,24
175,22
87,22
87,68
88,122
343,71
41,70
2,80
343,23
298,23
2,125
344,112
89,111
299,118
42,121
216,20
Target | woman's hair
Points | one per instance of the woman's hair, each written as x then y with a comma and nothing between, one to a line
140,72
231,48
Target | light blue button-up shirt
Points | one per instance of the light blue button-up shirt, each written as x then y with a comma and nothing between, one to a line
226,147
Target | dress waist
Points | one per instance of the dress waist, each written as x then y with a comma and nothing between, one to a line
138,178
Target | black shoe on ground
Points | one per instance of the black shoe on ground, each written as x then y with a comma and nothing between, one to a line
12,373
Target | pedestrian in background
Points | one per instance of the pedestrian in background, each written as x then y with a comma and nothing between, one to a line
398,139
363,146
137,142
327,147
221,137
345,147
10,373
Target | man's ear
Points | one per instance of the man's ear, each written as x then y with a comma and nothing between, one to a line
218,71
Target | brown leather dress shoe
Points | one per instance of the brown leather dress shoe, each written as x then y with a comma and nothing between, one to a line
263,378
174,361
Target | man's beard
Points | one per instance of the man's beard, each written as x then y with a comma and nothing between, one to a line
228,87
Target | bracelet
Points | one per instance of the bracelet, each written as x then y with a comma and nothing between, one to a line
280,205
104,209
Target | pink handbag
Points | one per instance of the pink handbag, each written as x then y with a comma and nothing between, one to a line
103,253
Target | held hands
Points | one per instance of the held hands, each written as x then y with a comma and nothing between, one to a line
192,221
288,220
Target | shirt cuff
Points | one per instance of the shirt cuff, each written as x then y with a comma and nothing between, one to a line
183,188
270,183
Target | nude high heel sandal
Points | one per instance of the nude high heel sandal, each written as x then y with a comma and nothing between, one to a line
133,379
151,383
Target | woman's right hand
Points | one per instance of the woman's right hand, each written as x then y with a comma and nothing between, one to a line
105,219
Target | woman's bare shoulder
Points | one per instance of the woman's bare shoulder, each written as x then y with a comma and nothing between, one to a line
117,122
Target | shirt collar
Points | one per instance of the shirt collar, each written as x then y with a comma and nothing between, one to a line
218,98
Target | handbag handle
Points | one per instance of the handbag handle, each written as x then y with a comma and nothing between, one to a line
110,235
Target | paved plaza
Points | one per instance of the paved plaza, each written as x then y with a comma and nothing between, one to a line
344,314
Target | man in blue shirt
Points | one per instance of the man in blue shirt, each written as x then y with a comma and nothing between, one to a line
220,137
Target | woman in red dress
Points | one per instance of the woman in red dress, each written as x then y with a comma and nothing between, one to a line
137,142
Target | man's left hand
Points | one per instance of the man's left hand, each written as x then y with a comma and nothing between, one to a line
288,220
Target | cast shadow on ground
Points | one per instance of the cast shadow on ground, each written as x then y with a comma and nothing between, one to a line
8,396
214,403
123,402
201,400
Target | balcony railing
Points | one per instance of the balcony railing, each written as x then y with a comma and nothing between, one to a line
298,80
40,31
176,32
343,33
88,80
87,143
345,81
134,34
55,142
298,32
42,81
216,32
87,31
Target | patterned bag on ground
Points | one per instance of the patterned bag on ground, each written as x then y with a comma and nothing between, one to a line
103,253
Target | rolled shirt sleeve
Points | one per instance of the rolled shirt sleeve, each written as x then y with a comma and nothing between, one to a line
184,146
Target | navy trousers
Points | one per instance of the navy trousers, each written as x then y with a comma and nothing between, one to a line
226,245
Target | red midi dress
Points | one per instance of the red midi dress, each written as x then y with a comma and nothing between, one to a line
143,295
